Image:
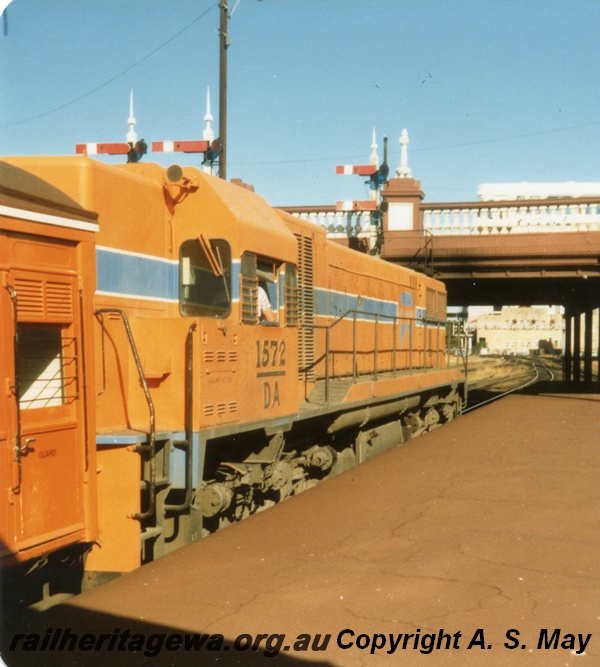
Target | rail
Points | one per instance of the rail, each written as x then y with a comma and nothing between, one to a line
541,373
410,322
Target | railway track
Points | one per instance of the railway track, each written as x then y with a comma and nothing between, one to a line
488,390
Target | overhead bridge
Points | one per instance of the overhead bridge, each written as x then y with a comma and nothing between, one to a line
514,252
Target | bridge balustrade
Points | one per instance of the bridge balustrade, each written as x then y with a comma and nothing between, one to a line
469,218
337,224
520,217
565,265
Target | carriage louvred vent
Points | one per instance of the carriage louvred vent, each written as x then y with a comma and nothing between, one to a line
44,300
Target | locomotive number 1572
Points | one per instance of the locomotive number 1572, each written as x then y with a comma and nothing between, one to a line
270,353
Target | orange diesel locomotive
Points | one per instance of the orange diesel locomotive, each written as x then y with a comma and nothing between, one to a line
145,400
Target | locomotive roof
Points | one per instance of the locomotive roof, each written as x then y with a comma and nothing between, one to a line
20,189
260,228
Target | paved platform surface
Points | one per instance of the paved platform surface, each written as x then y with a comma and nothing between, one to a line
485,532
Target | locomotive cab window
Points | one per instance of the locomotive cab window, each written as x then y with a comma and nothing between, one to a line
205,277
260,292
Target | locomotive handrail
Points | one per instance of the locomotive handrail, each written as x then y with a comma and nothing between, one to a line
189,426
150,448
18,435
395,320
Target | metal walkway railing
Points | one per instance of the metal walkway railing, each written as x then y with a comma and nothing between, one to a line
429,355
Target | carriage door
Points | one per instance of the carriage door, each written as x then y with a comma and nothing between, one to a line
47,412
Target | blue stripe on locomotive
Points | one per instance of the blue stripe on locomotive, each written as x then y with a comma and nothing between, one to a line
141,276
125,274
336,304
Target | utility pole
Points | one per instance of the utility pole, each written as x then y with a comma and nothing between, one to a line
224,43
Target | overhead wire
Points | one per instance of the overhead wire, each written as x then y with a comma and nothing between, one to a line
116,76
276,162
434,148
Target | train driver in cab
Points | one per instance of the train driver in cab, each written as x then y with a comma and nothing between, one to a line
265,312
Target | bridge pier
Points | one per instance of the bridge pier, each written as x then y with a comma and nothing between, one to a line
578,363
568,356
587,347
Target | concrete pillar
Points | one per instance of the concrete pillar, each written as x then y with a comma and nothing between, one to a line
598,350
587,347
577,348
568,358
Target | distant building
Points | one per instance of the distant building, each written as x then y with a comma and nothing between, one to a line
525,190
519,330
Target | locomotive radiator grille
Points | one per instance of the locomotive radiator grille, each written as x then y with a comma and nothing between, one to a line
436,305
306,303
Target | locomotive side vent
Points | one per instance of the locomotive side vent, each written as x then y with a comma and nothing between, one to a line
431,304
212,409
436,305
210,356
306,303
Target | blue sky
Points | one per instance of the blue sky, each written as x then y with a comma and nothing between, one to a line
489,90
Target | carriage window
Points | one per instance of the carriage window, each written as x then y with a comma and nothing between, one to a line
205,277
46,365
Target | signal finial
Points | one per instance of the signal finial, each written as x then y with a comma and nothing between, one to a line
131,135
374,159
403,171
208,134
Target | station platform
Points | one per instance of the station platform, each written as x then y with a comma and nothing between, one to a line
477,544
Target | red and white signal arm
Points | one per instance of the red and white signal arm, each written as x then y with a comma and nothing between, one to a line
356,169
348,205
102,149
180,146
